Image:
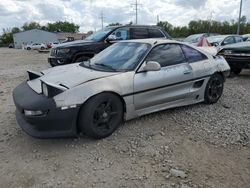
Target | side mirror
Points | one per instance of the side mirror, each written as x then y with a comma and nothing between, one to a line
152,66
110,38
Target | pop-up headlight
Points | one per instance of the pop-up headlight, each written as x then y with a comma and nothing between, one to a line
33,75
50,90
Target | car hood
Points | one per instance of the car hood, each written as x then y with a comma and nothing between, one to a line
68,76
245,45
74,43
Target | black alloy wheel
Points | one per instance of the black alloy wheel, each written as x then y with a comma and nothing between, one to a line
101,115
214,89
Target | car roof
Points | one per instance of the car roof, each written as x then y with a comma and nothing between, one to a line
136,26
152,41
156,41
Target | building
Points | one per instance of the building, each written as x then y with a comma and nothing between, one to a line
41,36
33,36
77,36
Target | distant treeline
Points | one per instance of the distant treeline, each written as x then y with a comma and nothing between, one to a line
200,26
59,26
205,26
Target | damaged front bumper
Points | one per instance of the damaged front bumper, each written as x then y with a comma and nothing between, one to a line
50,121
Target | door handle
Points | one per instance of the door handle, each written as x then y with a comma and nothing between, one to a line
187,72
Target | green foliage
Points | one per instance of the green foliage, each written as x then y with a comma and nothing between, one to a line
15,30
63,27
114,24
205,26
31,25
7,38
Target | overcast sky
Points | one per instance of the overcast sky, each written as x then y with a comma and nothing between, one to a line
86,13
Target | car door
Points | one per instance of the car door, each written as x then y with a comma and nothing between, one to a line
201,69
166,86
228,40
117,35
238,39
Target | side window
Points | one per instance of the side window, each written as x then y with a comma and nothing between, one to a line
120,34
192,55
155,33
228,40
139,33
166,55
238,39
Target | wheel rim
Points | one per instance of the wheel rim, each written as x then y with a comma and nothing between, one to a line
215,89
104,116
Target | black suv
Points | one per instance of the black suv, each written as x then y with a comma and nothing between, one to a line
83,50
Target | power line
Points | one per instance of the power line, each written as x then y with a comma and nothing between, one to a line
136,4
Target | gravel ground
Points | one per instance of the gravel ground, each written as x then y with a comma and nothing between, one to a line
196,146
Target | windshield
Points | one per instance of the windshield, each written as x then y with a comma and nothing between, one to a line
97,36
193,38
124,56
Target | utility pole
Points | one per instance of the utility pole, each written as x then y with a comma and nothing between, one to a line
102,18
158,19
136,10
238,29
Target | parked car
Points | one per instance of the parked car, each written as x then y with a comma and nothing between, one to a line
83,50
237,56
11,45
52,45
222,40
127,80
194,39
246,37
35,46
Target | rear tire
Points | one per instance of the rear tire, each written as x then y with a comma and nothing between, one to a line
101,115
28,48
214,89
42,48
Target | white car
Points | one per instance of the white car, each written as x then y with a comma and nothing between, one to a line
35,46
222,40
126,80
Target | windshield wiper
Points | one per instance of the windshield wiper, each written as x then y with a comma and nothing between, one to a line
104,65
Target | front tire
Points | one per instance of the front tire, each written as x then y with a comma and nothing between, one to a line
101,115
214,89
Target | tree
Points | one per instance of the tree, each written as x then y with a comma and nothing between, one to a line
166,26
31,25
114,24
63,27
15,30
7,38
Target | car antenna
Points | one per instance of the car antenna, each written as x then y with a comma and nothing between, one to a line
155,42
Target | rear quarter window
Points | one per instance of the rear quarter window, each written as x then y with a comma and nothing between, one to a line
139,33
192,55
155,33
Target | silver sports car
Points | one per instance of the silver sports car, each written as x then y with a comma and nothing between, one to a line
127,80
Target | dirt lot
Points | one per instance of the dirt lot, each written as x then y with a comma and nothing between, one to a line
209,143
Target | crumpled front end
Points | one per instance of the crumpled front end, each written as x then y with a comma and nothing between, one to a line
39,117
